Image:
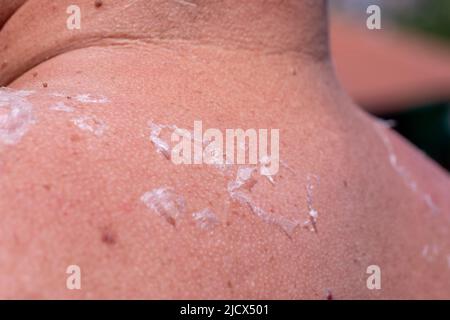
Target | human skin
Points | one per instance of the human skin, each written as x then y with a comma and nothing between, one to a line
69,197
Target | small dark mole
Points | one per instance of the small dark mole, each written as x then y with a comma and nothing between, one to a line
108,237
171,221
228,223
345,183
229,284
98,3
69,97
47,187
329,295
45,85
35,74
75,138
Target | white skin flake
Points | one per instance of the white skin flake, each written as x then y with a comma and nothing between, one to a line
430,252
287,225
16,115
402,171
265,162
244,180
206,219
186,3
58,95
61,106
166,203
215,157
89,98
312,182
161,145
91,124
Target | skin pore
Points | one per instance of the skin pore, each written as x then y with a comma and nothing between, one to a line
71,195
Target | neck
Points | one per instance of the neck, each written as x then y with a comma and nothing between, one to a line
268,26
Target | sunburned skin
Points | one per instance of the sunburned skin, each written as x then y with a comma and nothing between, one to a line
140,226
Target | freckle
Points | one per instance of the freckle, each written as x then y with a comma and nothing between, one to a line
228,223
75,138
108,238
98,3
229,284
166,203
34,74
47,187
171,221
127,207
45,84
235,212
345,183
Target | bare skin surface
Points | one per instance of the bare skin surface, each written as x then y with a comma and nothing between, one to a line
68,196
8,7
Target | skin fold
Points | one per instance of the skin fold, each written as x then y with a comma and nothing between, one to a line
68,196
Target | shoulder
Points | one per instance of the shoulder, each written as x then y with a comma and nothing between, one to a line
83,183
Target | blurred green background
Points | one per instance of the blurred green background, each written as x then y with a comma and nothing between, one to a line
430,17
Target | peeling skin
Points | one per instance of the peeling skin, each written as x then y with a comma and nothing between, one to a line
205,219
91,124
160,145
86,98
430,252
244,180
217,160
264,162
430,203
89,98
234,87
166,203
16,115
186,3
57,94
313,214
61,106
287,225
399,169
